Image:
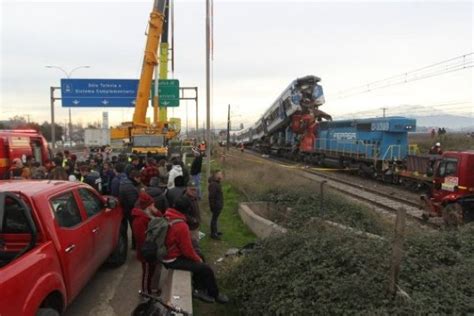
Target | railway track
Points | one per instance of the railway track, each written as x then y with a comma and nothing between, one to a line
380,200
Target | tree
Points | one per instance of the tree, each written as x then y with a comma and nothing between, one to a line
45,129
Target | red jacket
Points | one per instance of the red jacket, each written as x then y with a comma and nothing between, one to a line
139,227
178,239
148,173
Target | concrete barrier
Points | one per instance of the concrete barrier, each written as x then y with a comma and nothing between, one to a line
260,226
176,288
254,215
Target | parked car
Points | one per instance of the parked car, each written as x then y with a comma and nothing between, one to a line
54,235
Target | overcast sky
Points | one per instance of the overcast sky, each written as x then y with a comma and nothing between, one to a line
260,47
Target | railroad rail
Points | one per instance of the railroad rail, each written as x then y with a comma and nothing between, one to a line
381,200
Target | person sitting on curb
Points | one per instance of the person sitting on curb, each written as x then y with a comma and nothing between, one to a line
142,213
181,255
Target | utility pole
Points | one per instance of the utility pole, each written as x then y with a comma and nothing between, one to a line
197,114
53,127
228,128
68,76
187,121
208,89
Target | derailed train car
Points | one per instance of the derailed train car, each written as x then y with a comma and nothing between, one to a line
290,117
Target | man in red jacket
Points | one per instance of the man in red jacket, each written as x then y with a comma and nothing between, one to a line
181,255
150,171
142,213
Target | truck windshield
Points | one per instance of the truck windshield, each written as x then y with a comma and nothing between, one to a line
148,141
448,167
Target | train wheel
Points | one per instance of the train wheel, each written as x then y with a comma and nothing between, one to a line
396,179
453,214
360,171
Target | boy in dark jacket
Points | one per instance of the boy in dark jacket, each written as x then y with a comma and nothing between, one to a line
216,201
182,256
91,178
142,213
177,191
128,195
158,194
196,170
120,176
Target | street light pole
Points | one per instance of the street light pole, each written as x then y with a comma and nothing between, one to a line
53,126
68,76
208,89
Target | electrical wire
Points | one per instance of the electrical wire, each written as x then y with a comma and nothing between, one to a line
433,70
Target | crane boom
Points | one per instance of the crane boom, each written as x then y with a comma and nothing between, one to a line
150,59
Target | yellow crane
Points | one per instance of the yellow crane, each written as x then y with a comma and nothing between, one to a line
143,136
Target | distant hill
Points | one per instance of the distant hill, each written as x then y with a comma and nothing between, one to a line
426,117
453,122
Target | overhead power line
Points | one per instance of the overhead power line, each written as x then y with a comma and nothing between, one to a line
433,70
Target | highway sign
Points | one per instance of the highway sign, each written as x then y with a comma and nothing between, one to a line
98,92
168,92
113,92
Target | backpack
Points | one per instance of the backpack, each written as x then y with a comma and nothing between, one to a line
154,248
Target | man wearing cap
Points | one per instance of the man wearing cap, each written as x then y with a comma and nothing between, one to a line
436,149
142,213
202,147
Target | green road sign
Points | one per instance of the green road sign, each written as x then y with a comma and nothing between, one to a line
168,92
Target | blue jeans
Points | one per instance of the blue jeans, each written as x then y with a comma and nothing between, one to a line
197,183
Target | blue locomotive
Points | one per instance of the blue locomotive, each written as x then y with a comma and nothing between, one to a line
365,139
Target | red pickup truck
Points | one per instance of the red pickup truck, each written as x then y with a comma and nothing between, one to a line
54,235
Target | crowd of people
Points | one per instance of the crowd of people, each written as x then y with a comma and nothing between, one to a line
147,189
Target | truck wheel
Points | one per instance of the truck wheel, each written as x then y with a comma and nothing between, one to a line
453,214
47,312
119,255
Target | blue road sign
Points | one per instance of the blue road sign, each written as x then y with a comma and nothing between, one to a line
98,92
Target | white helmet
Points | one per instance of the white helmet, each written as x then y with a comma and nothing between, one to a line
438,144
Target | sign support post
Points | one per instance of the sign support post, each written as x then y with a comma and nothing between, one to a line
53,124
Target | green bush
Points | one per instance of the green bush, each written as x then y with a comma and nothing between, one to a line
322,270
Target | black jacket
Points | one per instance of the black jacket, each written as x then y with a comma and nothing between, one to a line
159,196
94,180
196,166
128,194
216,197
173,194
186,177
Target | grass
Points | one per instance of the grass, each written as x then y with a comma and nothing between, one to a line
450,141
254,177
235,235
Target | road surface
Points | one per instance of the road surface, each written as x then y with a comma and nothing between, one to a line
111,292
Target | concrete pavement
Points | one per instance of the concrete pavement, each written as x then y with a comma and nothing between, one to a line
111,292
